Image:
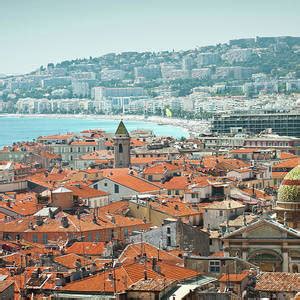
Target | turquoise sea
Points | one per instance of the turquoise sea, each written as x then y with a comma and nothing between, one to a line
15,129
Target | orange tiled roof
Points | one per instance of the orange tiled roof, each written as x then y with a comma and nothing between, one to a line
289,163
177,183
201,181
84,143
244,150
232,164
99,155
51,177
145,160
218,254
160,168
24,204
70,259
176,252
278,282
49,155
87,248
127,275
136,183
117,207
108,144
287,155
130,253
174,208
258,193
85,223
211,162
278,175
234,277
84,191
136,143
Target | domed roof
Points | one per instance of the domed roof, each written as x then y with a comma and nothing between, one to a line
289,190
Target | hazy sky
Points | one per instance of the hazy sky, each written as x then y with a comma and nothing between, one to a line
35,32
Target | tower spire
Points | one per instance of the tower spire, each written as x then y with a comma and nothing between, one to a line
122,130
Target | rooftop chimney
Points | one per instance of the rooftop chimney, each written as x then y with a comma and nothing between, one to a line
39,221
94,219
154,263
65,222
51,214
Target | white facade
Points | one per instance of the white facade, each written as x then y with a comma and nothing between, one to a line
96,201
213,217
115,190
240,174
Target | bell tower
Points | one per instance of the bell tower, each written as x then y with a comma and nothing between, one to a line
122,147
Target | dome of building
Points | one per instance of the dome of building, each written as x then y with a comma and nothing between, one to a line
289,190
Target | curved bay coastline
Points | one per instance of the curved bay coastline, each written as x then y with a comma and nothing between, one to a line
174,127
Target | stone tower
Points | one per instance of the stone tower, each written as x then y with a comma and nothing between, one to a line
122,147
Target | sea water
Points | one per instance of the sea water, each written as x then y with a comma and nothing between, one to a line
16,129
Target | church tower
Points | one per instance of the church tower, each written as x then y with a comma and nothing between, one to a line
122,147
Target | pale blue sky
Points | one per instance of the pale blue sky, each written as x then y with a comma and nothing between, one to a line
35,32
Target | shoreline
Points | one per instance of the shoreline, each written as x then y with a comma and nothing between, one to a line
187,125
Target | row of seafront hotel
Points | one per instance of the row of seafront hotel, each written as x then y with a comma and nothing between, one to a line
281,123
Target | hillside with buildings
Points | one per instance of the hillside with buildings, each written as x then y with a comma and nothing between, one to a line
250,74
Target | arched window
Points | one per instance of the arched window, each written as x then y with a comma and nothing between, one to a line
120,148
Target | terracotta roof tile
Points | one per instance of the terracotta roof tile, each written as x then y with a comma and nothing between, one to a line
132,251
278,282
278,175
87,248
244,150
133,182
174,208
287,155
127,275
288,164
160,168
117,207
24,204
69,260
233,277
84,191
145,160
177,183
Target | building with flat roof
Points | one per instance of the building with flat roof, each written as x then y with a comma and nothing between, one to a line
287,124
